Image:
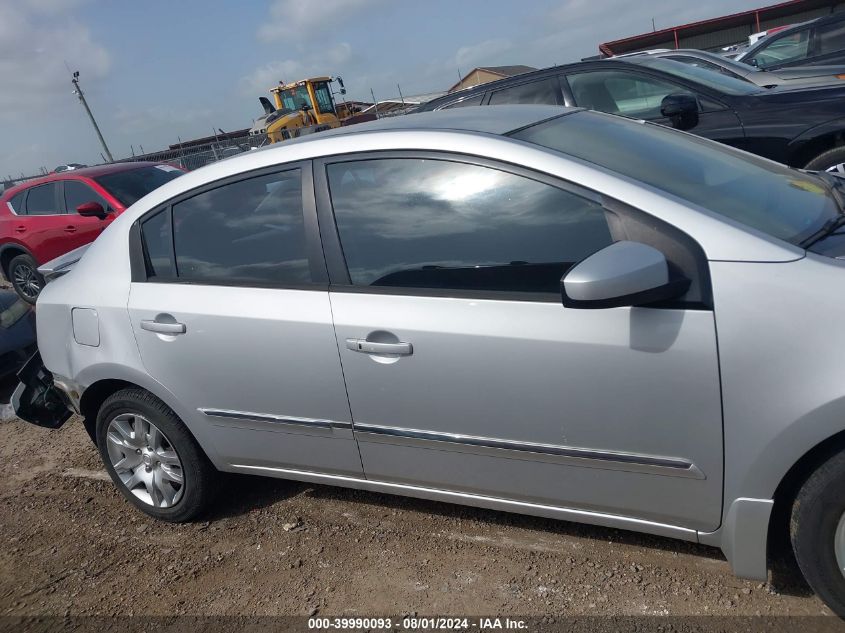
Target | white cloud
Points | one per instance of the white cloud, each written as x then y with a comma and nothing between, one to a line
486,53
299,20
34,47
315,63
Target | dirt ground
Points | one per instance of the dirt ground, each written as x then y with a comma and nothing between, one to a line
73,546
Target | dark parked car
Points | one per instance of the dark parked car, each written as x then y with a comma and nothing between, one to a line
17,332
820,41
802,127
792,77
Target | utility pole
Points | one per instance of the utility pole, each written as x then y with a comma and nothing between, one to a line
77,90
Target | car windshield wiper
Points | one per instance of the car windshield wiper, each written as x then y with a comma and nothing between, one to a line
829,228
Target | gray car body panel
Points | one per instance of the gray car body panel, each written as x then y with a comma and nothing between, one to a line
780,383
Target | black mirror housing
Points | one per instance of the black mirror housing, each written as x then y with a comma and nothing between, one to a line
682,109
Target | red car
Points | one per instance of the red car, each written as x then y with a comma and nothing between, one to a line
47,217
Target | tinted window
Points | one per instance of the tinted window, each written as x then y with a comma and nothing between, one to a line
474,100
830,38
249,232
775,199
619,92
324,98
701,76
702,63
439,224
158,245
546,91
42,200
17,203
130,186
77,193
783,49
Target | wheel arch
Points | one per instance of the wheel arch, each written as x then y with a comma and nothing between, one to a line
102,382
815,141
8,252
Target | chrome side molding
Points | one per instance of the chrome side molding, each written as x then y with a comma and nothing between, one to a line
576,456
248,416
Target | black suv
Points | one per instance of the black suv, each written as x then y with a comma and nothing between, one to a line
820,41
803,128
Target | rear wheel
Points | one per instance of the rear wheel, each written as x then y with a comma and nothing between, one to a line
25,279
817,531
152,458
833,160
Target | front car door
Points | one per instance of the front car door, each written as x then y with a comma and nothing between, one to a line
638,94
85,230
231,312
45,228
464,371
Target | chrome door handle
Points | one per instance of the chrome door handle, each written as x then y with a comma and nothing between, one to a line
369,347
163,328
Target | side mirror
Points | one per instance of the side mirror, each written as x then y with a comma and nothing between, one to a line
622,274
92,210
682,109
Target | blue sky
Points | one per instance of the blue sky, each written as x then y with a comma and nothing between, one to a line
154,70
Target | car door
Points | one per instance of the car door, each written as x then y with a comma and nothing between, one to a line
230,310
45,229
82,230
465,372
637,94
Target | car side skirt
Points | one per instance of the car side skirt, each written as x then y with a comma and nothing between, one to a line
478,501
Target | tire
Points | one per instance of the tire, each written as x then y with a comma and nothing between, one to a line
133,453
816,514
25,279
831,160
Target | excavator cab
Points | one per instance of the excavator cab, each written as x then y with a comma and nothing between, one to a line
299,108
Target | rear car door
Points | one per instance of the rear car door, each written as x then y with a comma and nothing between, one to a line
466,373
85,230
638,95
45,229
230,309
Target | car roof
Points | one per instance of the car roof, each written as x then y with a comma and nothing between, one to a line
75,174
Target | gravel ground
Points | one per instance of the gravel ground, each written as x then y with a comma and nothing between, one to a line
270,547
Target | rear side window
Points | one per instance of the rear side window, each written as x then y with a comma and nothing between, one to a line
158,246
419,223
831,38
545,91
77,193
42,200
17,203
469,101
246,232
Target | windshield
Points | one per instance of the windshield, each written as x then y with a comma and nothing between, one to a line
782,202
703,76
132,185
295,98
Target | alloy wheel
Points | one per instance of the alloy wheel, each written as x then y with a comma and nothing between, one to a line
837,169
26,281
145,460
839,544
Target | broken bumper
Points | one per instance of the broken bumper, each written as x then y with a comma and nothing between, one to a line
37,400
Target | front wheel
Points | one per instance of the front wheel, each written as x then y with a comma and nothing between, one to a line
833,160
25,278
152,458
817,531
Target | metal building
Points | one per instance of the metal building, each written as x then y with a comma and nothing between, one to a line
716,33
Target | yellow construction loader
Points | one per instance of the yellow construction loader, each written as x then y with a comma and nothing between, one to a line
299,108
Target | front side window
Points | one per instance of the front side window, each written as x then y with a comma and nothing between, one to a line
545,91
620,92
42,200
422,223
783,49
77,193
247,232
130,186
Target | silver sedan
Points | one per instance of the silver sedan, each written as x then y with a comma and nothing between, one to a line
535,309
